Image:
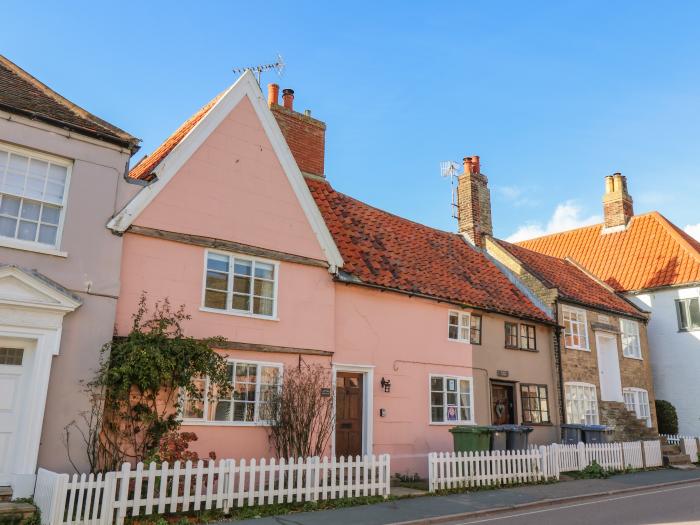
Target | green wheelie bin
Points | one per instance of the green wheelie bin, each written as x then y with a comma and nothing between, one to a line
471,438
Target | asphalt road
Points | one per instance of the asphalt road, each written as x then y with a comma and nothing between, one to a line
674,505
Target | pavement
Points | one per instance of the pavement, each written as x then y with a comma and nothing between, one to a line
491,505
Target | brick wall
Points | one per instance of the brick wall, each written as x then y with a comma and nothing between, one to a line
305,136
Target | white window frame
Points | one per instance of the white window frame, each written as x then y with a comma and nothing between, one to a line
229,286
683,303
590,414
36,246
204,420
637,401
582,326
631,340
446,377
464,323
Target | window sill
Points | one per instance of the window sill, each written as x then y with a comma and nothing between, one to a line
633,357
237,314
31,247
577,349
534,350
197,422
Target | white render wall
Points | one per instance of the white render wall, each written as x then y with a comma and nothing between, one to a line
675,355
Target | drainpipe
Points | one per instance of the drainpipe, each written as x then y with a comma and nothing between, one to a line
560,368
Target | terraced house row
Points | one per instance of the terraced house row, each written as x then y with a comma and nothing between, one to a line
235,217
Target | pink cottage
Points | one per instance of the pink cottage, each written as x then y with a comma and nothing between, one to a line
238,223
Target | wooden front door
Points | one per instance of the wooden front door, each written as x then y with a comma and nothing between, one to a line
503,404
348,414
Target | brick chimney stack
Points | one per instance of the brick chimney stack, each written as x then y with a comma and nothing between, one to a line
474,202
617,202
305,136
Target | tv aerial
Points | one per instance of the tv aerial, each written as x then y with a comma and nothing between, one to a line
277,66
451,169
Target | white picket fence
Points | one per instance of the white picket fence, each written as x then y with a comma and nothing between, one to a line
688,444
108,499
448,470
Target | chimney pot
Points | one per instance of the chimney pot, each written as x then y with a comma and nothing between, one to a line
474,202
288,98
617,202
273,92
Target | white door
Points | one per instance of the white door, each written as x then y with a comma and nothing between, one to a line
608,367
15,357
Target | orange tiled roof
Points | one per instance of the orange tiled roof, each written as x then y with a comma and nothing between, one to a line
144,169
571,282
388,251
650,253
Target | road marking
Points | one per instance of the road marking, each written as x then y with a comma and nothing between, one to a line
574,505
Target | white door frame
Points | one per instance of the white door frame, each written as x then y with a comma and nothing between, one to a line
367,403
32,310
609,338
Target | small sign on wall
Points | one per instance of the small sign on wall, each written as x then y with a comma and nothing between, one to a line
502,373
325,392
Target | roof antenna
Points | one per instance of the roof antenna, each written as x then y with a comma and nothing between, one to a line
277,66
450,168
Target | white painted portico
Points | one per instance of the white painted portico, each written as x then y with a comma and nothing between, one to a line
32,308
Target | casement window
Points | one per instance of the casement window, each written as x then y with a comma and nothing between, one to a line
631,346
581,403
575,328
528,339
511,335
240,285
464,327
475,330
637,402
535,403
252,383
521,337
451,399
688,311
32,197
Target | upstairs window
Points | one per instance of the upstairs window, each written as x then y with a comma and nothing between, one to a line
637,402
511,335
465,327
240,285
688,311
575,328
32,197
631,346
528,339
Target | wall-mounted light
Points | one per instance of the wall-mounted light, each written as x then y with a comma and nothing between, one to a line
386,384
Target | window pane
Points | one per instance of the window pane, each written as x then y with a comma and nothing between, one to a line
217,262
262,306
682,315
264,270
241,302
694,313
47,234
50,214
242,267
269,375
30,210
26,231
264,288
241,284
222,410
436,398
9,206
437,384
239,411
437,413
11,356
7,227
451,330
57,174
217,280
454,319
215,299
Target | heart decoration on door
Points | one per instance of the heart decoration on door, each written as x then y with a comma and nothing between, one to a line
500,408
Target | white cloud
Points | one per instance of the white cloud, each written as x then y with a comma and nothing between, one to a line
693,230
566,216
516,196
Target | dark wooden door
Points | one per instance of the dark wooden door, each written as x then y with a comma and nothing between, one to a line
348,414
503,409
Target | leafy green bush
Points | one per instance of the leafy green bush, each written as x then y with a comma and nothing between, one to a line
592,471
667,417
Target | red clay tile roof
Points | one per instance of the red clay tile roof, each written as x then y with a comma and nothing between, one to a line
385,250
571,282
22,94
650,253
145,167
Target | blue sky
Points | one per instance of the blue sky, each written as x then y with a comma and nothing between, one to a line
552,96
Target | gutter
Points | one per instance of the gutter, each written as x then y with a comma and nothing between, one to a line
346,278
